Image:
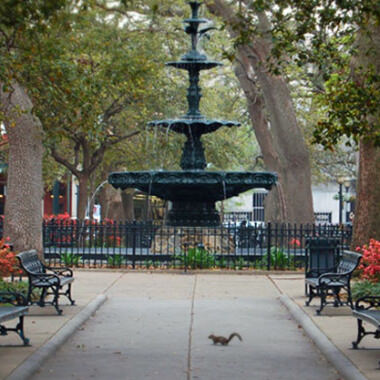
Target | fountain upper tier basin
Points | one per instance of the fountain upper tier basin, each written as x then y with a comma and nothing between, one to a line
195,185
191,126
194,64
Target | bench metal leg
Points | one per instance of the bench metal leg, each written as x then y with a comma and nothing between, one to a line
68,294
311,293
362,333
322,295
55,300
19,329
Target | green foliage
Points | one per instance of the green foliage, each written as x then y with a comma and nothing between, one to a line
18,287
197,258
115,260
221,263
349,100
241,263
365,288
70,259
278,259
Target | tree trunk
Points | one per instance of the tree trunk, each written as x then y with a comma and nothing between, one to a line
82,195
23,208
128,207
367,221
367,208
280,138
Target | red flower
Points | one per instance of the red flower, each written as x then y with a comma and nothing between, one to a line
295,242
370,262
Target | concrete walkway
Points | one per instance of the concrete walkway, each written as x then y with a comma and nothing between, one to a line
155,326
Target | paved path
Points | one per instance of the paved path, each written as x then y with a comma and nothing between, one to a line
156,327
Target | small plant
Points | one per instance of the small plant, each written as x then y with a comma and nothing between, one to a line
222,263
115,260
70,259
240,264
148,263
197,258
278,258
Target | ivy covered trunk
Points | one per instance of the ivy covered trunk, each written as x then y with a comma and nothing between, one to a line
367,211
367,220
23,208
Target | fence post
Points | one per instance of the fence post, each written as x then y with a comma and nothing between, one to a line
269,238
134,232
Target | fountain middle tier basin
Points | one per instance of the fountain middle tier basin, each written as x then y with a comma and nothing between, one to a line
189,126
192,185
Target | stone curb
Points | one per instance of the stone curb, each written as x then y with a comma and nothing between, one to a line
34,361
343,365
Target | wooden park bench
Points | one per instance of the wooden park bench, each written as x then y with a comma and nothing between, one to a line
367,309
331,283
49,280
13,305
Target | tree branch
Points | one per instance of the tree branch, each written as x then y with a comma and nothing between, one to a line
63,161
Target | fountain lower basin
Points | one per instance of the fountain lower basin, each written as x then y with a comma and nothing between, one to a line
193,193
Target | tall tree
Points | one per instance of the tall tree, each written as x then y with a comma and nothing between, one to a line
340,43
94,96
21,23
271,109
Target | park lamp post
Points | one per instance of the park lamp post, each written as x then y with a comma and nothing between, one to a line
346,182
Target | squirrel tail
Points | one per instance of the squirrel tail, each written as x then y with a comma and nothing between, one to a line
233,335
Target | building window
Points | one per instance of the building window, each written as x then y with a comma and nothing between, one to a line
258,206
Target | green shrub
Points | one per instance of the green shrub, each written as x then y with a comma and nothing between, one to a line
115,260
70,259
365,288
278,259
19,287
197,258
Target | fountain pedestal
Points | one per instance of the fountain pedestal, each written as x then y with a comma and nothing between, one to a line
170,240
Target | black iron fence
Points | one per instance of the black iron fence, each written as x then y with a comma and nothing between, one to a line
150,245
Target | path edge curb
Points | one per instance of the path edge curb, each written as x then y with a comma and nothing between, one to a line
342,364
35,360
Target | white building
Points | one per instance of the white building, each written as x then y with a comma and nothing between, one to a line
325,202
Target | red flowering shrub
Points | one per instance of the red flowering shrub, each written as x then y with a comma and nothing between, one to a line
295,242
370,262
8,261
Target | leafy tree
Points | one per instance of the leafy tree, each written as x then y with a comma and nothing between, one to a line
22,23
340,43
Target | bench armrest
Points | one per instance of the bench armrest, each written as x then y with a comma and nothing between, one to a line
67,272
13,298
325,278
367,302
45,277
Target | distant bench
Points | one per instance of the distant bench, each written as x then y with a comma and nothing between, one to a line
49,280
12,307
332,282
367,309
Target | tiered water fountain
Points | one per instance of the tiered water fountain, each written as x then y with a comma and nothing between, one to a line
193,192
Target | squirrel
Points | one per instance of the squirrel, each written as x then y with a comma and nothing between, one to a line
222,340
